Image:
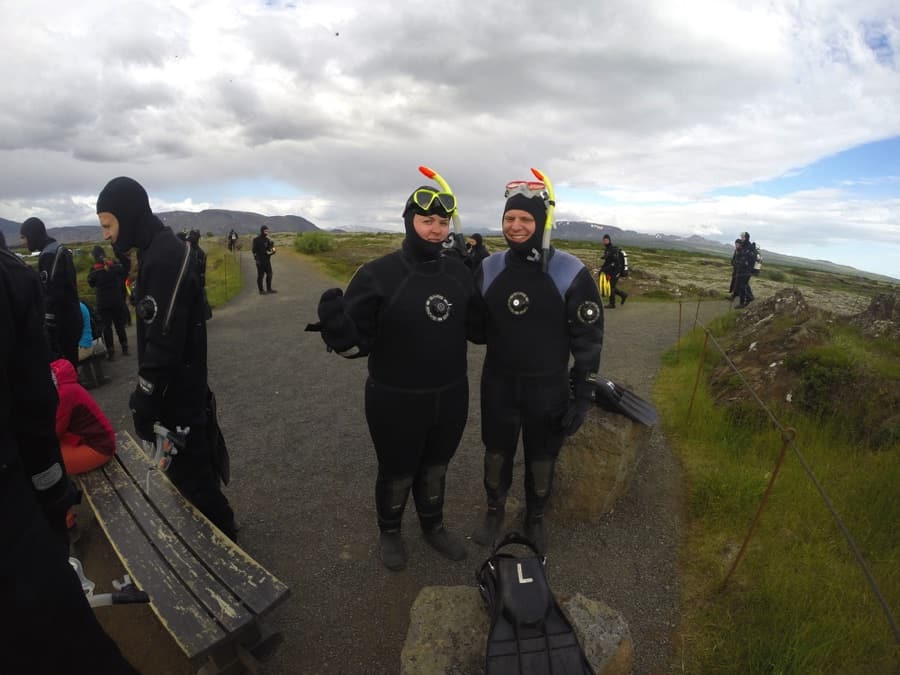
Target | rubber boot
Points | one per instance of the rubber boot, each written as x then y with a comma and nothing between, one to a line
445,544
534,530
393,552
489,530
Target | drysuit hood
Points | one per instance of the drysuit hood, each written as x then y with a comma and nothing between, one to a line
64,372
98,254
35,233
418,247
530,249
127,200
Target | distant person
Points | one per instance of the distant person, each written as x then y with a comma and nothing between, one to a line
752,253
613,266
741,264
107,278
86,437
477,250
193,238
263,250
172,384
62,314
50,626
232,240
410,312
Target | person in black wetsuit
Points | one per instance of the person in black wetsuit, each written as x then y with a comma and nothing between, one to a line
62,310
534,321
263,250
477,252
612,267
50,627
171,340
410,312
107,278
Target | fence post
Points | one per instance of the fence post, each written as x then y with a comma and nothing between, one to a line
787,437
699,370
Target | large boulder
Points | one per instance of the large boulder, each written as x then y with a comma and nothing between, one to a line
448,628
596,465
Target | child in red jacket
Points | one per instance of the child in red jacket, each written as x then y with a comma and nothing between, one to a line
85,434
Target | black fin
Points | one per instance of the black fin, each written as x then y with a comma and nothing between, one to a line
616,398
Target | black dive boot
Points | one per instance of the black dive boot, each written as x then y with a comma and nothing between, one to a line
393,552
489,530
445,544
534,530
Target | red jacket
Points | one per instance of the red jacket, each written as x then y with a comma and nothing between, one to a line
78,413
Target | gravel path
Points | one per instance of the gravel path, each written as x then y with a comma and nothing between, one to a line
303,472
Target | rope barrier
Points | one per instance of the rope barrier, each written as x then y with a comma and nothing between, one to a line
788,439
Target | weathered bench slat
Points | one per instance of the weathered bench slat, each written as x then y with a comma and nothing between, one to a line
217,599
185,618
257,588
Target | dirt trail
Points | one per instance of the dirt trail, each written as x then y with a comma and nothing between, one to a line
303,473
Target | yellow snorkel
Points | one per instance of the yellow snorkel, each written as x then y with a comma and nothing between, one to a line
548,224
439,179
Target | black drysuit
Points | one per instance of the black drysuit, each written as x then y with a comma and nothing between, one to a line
50,627
171,341
612,266
107,278
62,310
410,312
263,250
535,319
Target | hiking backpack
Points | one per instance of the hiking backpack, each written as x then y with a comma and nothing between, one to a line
623,262
529,633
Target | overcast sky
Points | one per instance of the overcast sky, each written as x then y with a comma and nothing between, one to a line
777,117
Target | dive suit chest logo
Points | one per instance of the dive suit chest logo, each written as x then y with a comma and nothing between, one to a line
437,307
518,303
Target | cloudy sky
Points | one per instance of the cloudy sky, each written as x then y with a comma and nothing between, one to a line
779,117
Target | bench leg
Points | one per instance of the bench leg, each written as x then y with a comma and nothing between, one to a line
245,654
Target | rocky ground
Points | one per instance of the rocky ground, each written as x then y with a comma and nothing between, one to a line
303,472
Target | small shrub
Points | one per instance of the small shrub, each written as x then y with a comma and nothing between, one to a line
313,242
775,275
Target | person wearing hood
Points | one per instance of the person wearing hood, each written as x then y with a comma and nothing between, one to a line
50,628
172,383
410,312
534,321
477,251
263,250
193,238
62,313
86,437
613,266
107,278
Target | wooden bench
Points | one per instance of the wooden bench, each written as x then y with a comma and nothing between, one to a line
206,591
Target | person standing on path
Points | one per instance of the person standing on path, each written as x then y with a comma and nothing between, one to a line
410,312
263,250
62,312
107,278
172,383
535,319
613,265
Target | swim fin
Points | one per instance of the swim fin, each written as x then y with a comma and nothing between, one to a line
616,398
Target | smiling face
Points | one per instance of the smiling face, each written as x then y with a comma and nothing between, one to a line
518,225
110,225
432,227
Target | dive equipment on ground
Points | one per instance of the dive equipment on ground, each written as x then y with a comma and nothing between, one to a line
548,225
529,633
616,398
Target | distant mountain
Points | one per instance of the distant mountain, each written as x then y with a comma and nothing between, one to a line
217,221
220,221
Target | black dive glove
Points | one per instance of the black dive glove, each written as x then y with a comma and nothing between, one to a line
144,406
338,330
583,386
57,498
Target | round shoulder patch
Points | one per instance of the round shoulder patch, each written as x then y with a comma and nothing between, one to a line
146,309
588,312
